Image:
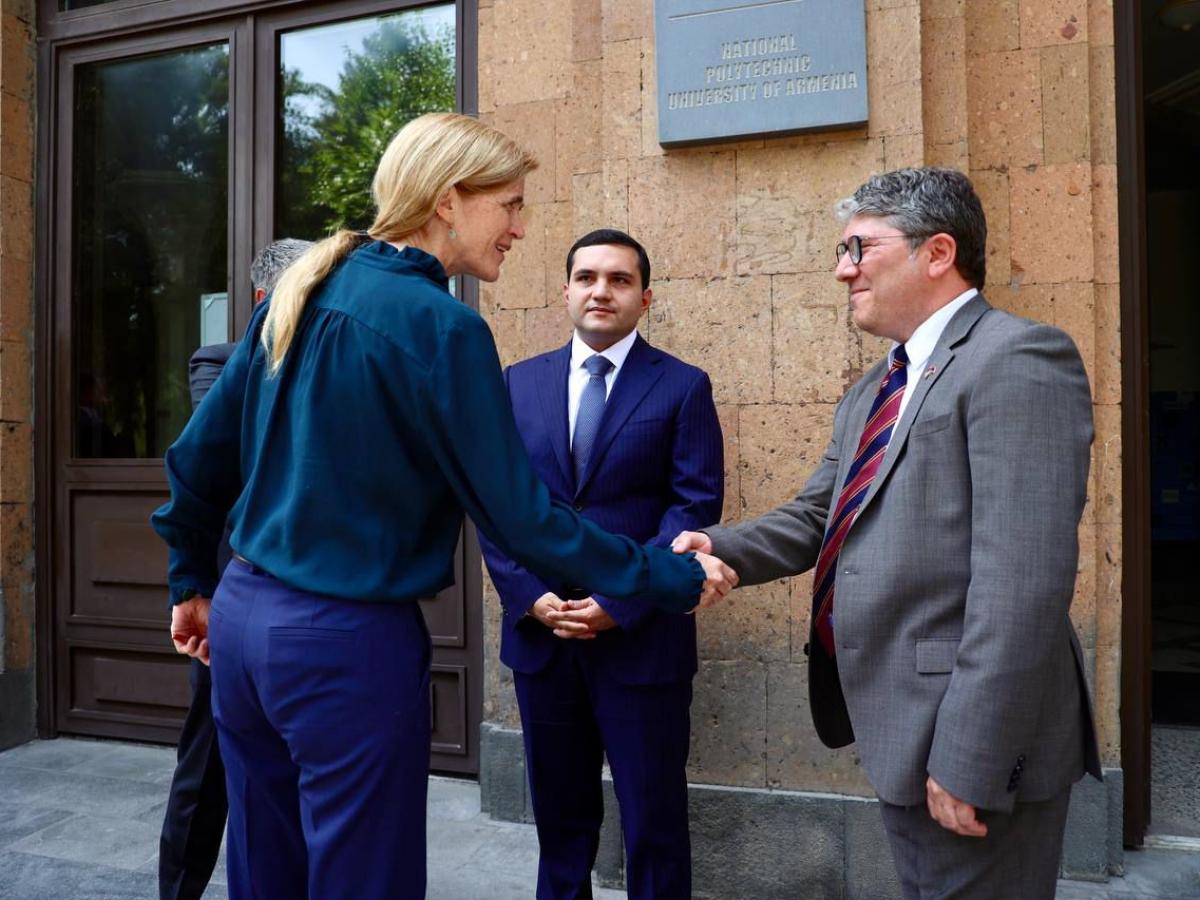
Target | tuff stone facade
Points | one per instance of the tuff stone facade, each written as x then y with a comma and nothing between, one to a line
1018,93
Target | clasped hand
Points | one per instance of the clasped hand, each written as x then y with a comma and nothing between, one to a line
571,619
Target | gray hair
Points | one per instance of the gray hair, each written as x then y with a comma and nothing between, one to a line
924,202
273,259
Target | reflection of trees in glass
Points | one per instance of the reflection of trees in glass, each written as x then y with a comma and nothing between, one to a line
151,180
333,138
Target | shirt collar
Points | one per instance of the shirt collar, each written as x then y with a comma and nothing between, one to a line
615,354
410,259
925,338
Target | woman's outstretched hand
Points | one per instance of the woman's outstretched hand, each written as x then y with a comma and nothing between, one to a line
719,580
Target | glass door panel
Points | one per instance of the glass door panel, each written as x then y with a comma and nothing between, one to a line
344,89
340,91
149,239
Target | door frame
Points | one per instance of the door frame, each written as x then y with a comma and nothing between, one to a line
60,473
130,28
1135,708
53,322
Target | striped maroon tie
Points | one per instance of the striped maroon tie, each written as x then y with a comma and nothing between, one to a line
871,447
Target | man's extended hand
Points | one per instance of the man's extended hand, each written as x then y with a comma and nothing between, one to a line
586,611
719,579
691,540
950,812
189,627
547,609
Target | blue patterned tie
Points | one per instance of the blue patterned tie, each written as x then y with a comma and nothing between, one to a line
591,408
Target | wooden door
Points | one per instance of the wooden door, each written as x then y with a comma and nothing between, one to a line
142,242
174,156
455,620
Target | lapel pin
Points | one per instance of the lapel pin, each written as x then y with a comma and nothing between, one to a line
931,371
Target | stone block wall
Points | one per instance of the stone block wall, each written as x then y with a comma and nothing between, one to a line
17,100
1018,93
1040,126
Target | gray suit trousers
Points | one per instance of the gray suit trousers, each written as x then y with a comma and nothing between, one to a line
1017,860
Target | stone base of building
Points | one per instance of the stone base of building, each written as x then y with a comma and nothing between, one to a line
750,842
17,704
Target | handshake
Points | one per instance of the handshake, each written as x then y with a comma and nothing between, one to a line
584,619
719,579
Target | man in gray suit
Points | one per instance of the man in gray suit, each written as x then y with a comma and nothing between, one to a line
942,522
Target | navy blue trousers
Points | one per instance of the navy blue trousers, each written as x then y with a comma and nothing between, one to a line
322,710
572,717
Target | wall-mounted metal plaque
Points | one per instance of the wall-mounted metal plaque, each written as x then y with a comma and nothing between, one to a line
730,69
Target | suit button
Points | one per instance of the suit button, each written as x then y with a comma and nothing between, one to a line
578,507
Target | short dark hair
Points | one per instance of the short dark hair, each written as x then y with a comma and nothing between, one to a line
924,202
603,236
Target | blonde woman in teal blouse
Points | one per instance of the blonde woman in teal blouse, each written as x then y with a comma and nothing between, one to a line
361,416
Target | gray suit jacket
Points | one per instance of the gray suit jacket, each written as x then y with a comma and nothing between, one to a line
956,656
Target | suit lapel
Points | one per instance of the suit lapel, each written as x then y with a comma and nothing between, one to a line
956,331
638,374
552,392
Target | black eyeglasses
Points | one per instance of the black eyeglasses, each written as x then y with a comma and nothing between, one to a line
855,243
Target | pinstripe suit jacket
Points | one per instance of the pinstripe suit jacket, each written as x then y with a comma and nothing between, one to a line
955,653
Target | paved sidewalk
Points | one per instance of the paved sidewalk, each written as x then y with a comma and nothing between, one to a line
80,819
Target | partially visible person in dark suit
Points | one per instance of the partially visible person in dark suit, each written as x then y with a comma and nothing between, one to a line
197,805
629,436
207,362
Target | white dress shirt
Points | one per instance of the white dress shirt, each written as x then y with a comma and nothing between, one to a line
577,375
919,346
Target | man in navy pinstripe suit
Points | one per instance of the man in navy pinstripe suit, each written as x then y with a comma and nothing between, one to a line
632,441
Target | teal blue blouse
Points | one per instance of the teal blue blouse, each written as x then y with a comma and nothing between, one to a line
348,473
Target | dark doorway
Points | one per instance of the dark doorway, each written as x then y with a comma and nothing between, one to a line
1171,92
